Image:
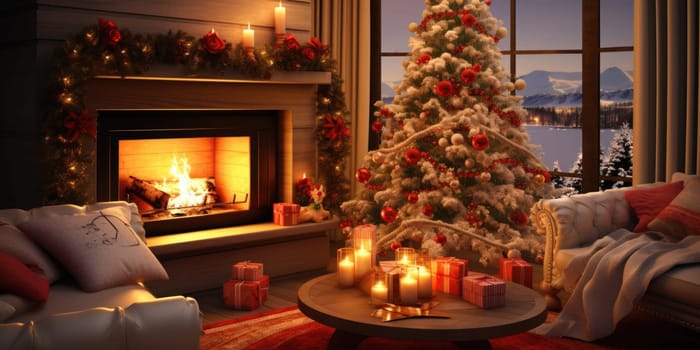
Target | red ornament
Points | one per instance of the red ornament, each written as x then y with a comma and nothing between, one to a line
468,76
424,58
363,175
396,245
385,113
440,239
389,214
480,142
377,126
468,20
412,156
444,88
413,197
428,210
518,218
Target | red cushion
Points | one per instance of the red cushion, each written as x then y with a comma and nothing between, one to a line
648,202
17,278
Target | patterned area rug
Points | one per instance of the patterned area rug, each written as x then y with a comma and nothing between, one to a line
288,328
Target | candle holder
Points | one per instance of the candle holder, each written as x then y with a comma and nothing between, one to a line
424,264
408,285
405,256
363,237
346,267
279,38
379,291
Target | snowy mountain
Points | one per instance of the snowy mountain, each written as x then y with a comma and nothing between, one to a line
560,89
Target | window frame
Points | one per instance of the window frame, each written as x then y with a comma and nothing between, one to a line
590,68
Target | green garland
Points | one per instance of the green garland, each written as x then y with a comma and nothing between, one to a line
102,48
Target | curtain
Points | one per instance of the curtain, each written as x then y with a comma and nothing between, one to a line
345,26
666,93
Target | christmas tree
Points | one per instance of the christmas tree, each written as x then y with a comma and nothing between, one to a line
454,169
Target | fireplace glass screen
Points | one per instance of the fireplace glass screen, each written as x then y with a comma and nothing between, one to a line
189,170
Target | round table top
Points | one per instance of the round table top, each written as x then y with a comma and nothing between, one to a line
349,310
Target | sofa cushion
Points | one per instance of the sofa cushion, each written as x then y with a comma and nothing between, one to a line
681,217
66,296
99,249
648,202
16,243
17,278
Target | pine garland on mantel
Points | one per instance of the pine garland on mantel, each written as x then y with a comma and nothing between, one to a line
104,49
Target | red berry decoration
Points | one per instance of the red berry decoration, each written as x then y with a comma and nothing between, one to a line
519,218
428,210
480,142
363,175
389,214
412,156
440,239
413,197
396,245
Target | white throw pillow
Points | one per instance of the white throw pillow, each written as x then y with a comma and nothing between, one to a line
99,249
16,243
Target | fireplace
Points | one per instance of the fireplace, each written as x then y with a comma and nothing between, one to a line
190,169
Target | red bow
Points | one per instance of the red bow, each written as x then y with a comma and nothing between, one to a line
80,124
335,128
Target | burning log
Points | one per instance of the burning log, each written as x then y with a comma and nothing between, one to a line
148,192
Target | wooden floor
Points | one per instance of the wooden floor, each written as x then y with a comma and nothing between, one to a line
283,290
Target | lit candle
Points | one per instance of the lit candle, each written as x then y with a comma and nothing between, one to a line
248,37
408,289
280,19
346,272
379,293
363,262
425,283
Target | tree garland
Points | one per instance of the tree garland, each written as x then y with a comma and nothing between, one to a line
103,48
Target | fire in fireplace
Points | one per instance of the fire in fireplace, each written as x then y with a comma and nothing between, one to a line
189,169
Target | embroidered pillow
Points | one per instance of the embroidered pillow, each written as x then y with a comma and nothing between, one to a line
681,217
99,249
17,278
16,243
648,202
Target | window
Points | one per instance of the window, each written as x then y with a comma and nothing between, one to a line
576,56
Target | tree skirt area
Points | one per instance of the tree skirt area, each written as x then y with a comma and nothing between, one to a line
288,328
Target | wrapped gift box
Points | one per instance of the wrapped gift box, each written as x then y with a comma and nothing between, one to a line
246,295
516,270
449,285
247,271
483,291
450,267
285,214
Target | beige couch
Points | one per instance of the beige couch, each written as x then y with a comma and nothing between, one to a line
573,223
110,309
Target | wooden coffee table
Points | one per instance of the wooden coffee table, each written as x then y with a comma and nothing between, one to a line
348,310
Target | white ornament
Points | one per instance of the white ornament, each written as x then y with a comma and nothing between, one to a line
501,33
509,86
412,27
520,85
514,254
378,157
457,139
469,163
485,177
442,142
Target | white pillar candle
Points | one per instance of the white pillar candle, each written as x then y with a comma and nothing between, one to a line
379,293
346,272
248,37
408,289
425,283
363,262
280,19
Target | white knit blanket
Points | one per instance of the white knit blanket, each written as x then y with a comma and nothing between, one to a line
615,273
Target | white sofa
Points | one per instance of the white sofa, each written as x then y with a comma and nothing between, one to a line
571,224
111,309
